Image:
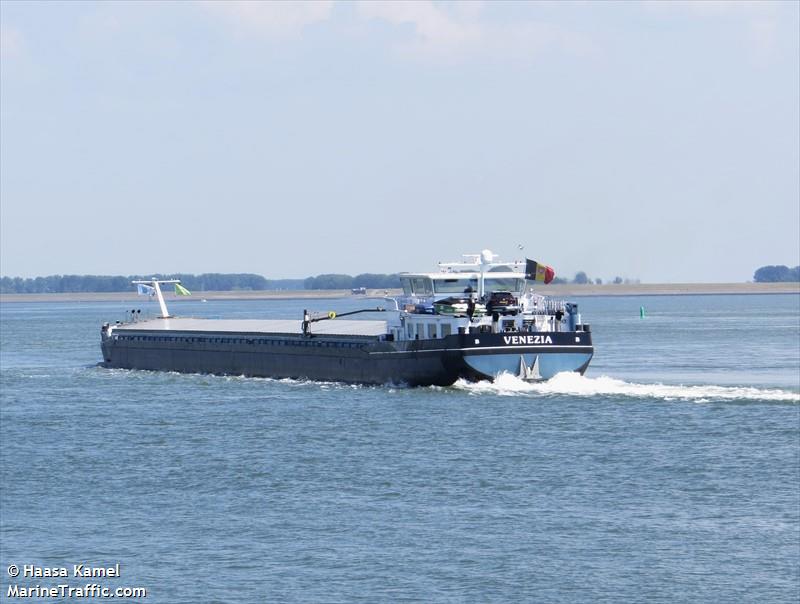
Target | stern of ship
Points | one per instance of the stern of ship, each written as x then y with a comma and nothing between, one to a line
530,356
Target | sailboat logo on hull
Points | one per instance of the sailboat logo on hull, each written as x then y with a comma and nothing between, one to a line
529,373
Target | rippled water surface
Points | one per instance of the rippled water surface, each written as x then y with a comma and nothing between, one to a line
669,473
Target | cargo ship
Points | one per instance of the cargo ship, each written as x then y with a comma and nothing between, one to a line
474,320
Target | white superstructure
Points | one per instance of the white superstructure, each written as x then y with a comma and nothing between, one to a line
478,294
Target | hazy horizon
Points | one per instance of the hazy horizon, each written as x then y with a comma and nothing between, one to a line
568,278
657,141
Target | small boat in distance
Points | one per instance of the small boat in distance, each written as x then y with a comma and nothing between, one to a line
473,319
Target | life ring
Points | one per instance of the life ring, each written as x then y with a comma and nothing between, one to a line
331,315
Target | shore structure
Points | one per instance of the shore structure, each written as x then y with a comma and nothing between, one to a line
474,319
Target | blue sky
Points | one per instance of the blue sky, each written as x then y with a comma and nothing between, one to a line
651,140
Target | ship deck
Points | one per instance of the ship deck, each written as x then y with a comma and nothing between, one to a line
333,327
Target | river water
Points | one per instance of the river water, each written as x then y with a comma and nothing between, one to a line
669,473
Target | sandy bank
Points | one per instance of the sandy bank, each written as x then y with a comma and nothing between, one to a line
561,290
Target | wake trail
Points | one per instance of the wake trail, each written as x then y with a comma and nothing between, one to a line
577,385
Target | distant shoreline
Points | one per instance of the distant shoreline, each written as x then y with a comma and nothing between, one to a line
559,290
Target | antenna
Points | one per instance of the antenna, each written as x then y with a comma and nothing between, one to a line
154,283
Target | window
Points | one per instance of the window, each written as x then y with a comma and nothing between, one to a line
507,285
455,286
422,286
446,330
432,331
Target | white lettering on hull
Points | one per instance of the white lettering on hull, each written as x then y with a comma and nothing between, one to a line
525,340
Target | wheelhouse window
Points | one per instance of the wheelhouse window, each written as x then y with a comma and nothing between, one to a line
422,286
510,284
455,286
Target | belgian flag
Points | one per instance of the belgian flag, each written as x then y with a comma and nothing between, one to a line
536,271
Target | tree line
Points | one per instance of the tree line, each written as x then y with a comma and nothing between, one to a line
56,284
367,280
118,283
581,278
252,282
777,274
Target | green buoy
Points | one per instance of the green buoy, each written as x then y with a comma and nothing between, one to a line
641,312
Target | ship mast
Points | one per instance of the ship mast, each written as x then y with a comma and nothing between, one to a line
480,263
154,283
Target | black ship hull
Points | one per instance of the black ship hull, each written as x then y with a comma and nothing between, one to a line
354,359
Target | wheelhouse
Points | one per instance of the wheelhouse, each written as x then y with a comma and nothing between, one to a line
477,295
476,274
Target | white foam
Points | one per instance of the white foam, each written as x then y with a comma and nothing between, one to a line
577,385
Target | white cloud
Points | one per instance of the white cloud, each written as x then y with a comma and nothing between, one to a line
270,18
764,38
434,30
758,19
11,42
710,8
458,29
536,36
